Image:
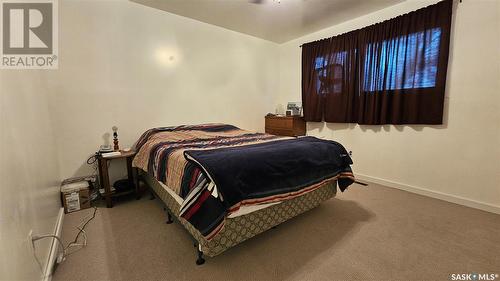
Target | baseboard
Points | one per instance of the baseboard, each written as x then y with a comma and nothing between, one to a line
54,247
434,194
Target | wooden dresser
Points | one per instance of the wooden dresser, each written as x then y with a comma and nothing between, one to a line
285,125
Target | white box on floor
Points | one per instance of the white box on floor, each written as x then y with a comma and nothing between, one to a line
75,196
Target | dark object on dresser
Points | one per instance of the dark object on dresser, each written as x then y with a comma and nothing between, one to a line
291,126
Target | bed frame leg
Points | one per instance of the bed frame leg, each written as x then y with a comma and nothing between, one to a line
200,259
169,216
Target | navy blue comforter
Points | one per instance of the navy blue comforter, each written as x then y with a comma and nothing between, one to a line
272,168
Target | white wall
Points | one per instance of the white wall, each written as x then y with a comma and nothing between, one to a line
110,74
115,68
458,161
29,197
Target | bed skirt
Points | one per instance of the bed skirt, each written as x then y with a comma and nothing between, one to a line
241,228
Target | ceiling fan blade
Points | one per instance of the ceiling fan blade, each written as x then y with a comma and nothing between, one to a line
256,1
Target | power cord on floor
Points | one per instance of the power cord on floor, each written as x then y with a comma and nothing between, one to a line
81,229
64,250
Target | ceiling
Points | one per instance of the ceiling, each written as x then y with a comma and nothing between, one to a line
271,20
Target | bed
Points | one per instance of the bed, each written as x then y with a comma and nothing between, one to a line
226,185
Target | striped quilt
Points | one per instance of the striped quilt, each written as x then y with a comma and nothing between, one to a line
193,160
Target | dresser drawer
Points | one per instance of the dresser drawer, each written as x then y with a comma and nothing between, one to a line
285,126
279,123
280,132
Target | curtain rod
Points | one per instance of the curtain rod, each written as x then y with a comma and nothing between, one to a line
300,46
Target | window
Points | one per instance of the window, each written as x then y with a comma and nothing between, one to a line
405,62
392,72
329,77
329,73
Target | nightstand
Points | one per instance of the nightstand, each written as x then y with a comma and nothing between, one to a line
291,126
104,175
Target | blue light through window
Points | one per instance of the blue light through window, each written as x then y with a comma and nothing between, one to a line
404,62
329,72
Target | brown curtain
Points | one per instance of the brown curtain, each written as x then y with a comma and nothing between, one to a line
393,72
313,102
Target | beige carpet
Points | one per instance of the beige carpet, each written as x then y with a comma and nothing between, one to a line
366,233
